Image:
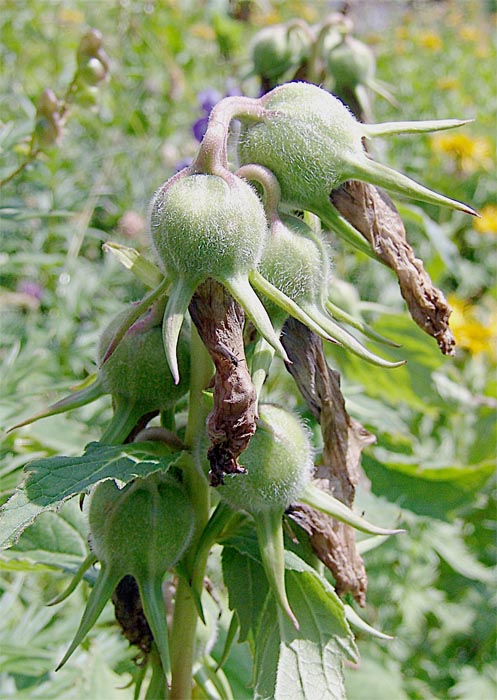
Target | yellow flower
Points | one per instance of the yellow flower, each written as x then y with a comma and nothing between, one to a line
469,33
203,31
488,221
469,154
470,333
68,16
430,41
448,82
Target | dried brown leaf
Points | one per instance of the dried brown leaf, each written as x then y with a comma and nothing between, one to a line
219,320
373,213
344,439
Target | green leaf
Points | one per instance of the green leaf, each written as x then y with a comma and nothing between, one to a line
53,480
307,663
247,588
433,492
444,540
375,680
55,539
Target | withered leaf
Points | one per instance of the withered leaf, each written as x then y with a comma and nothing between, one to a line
219,320
373,213
344,439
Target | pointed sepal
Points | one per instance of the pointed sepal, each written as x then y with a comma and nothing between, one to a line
75,400
269,528
241,290
358,324
336,223
346,339
326,503
286,304
155,612
356,621
419,127
174,315
101,592
126,416
134,313
83,568
380,175
132,260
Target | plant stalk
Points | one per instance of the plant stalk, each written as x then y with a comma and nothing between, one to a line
185,617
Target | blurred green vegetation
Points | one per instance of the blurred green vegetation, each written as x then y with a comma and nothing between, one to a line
432,466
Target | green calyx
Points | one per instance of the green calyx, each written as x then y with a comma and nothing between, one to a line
351,63
313,143
136,372
141,530
279,464
277,49
203,226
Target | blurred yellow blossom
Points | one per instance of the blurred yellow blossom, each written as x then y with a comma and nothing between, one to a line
430,41
488,221
469,33
469,154
448,82
203,31
470,333
68,16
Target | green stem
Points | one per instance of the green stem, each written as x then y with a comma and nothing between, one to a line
261,361
30,158
185,611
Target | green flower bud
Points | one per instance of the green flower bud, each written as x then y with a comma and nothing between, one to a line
351,63
277,49
313,143
137,370
205,226
141,530
279,463
48,127
92,71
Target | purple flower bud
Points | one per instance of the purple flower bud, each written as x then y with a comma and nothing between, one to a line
233,90
208,98
31,288
183,163
200,127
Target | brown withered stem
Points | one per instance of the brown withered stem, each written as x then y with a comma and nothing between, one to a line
219,320
344,439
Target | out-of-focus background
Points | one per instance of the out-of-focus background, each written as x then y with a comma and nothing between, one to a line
431,468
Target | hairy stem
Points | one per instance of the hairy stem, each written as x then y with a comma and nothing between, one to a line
185,612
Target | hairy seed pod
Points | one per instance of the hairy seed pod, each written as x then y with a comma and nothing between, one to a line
203,226
279,463
141,530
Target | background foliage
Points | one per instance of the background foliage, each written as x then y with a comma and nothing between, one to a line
431,469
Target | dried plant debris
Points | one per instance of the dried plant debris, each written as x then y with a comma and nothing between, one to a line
219,320
130,616
373,213
344,439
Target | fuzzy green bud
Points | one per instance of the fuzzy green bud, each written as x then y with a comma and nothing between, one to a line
279,463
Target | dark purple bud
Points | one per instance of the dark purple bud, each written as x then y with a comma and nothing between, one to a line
208,98
183,163
200,127
233,90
